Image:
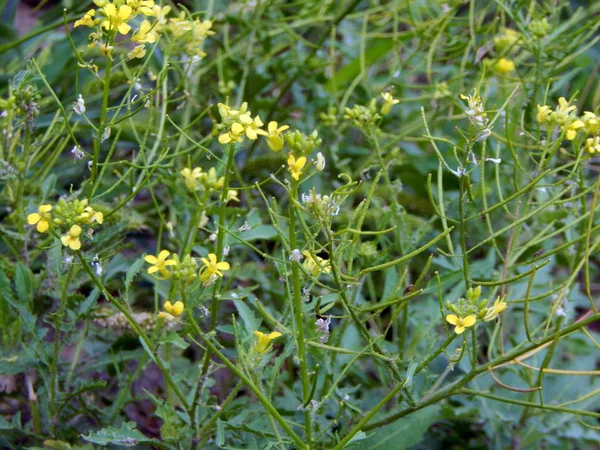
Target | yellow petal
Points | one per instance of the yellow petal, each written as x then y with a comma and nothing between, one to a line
42,226
153,269
459,330
178,308
225,138
223,265
75,244
123,28
33,218
163,255
151,259
469,321
65,240
301,162
452,319
274,335
45,208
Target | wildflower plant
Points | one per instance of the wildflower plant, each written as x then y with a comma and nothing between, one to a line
300,225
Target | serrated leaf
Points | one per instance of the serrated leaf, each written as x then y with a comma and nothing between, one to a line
127,436
132,272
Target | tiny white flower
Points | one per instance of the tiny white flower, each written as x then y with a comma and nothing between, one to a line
245,227
320,162
77,153
494,160
105,135
79,106
296,255
212,237
226,250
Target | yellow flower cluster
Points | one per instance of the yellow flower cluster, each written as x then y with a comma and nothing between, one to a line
565,117
467,311
239,123
70,215
163,267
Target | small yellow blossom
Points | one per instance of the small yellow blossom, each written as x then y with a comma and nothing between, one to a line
460,323
505,39
160,14
263,342
42,218
210,179
543,113
212,269
139,51
591,121
142,6
87,20
232,196
160,263
253,129
316,265
71,239
234,135
388,102
144,34
295,166
116,18
571,129
562,115
592,145
498,306
172,310
274,140
504,66
191,176
89,215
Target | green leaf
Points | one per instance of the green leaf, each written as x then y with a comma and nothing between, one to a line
176,340
251,323
132,272
404,433
23,283
127,436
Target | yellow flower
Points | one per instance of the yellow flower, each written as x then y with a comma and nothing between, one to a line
592,145
460,323
87,20
144,6
274,140
172,310
543,113
253,129
591,121
89,215
116,18
139,51
316,265
232,196
71,239
263,343
563,111
191,176
571,129
234,135
144,34
504,65
295,166
42,218
211,181
388,102
160,263
212,269
498,306
160,14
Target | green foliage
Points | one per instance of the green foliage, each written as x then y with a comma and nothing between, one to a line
251,224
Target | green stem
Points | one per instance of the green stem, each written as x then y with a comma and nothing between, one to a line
298,315
101,125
